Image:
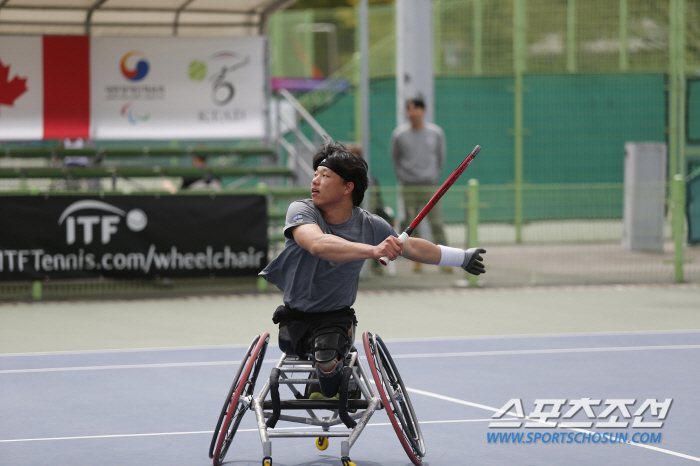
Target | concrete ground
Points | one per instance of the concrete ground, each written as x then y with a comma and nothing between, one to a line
407,313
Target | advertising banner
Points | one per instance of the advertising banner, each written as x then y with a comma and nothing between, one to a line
177,88
119,88
21,88
132,236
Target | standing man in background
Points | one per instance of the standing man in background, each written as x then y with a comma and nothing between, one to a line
418,154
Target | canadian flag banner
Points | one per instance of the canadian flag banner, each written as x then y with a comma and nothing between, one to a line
21,88
117,88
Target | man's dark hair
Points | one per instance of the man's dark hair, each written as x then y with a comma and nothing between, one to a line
417,102
349,166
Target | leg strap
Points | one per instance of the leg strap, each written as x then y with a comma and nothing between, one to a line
343,400
275,396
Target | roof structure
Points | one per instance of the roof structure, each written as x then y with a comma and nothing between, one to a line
137,17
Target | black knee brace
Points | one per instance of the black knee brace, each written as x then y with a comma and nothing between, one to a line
330,344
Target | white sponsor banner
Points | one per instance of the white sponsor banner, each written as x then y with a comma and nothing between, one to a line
21,88
177,88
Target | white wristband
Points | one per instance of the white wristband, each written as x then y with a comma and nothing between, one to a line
450,257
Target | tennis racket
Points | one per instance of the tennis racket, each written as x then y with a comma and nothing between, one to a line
436,197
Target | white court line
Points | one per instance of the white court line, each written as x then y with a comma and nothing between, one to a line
125,366
398,356
546,351
490,408
386,340
613,333
155,434
124,350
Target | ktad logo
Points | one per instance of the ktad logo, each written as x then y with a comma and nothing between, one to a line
106,225
223,63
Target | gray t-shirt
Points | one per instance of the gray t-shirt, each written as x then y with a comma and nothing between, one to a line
418,155
312,284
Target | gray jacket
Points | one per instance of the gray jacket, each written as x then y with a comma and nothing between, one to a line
418,155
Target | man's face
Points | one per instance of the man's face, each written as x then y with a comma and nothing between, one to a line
414,113
328,188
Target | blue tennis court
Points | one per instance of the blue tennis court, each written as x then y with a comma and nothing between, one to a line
159,406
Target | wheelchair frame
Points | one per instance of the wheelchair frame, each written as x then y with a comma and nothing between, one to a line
354,412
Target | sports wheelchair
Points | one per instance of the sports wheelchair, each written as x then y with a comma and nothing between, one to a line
357,401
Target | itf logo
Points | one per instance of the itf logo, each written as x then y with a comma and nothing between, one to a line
134,73
136,220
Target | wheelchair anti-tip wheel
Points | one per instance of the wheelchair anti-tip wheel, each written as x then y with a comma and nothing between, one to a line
233,410
322,443
394,397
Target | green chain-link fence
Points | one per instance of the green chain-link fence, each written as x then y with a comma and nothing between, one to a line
593,75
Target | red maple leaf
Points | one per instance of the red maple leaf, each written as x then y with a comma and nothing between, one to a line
10,90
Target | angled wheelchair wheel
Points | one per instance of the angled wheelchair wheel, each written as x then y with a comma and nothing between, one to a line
394,397
233,410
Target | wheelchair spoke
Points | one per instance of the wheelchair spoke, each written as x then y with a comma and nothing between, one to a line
241,389
394,397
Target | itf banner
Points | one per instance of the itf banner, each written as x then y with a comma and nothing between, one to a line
132,236
111,88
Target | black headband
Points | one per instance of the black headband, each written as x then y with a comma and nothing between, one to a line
336,168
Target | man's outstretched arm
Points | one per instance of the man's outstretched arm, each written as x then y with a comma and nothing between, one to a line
420,250
336,249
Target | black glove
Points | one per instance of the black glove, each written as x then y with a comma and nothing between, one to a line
472,261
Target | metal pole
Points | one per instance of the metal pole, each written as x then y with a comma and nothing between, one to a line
414,56
681,88
519,69
357,77
624,57
437,8
364,79
673,93
473,226
676,139
477,35
36,290
363,113
571,36
678,224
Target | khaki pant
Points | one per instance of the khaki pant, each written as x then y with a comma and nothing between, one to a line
414,199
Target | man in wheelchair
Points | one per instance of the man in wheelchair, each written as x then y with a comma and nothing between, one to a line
328,238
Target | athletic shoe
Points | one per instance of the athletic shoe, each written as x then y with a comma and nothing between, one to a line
319,396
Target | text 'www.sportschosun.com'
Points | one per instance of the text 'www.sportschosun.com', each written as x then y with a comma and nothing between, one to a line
574,437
